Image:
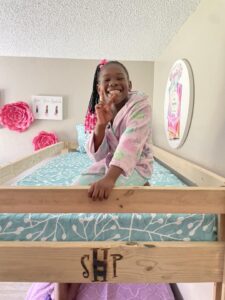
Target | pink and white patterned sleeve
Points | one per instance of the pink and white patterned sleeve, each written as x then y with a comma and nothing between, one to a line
133,139
102,150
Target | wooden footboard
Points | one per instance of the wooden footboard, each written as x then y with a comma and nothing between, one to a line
117,261
113,261
123,262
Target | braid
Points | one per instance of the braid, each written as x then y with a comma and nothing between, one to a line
94,95
90,118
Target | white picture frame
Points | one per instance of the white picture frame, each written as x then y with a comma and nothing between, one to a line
178,103
47,107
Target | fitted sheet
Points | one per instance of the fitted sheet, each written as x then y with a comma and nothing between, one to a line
63,170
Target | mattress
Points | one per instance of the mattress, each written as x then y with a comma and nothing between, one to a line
63,171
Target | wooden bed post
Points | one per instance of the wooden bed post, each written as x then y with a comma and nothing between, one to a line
219,288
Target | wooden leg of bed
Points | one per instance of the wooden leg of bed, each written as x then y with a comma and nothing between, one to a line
217,291
61,291
66,291
223,292
219,288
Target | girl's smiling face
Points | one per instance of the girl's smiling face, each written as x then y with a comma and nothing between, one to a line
113,79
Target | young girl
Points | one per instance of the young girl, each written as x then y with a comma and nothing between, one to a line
120,124
120,140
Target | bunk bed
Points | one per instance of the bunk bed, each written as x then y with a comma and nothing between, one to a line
127,261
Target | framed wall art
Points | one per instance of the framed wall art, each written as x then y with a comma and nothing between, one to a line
178,103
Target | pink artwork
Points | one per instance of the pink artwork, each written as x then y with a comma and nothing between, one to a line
174,106
44,139
178,103
16,116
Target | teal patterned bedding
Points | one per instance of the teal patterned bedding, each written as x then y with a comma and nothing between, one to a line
63,171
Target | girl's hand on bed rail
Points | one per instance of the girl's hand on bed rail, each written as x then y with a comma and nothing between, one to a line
101,189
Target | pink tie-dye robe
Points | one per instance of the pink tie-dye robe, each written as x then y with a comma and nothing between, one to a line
127,141
126,145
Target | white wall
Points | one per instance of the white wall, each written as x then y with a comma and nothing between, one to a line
199,291
201,41
20,78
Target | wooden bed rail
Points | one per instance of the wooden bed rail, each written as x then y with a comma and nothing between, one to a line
190,171
15,168
122,200
112,261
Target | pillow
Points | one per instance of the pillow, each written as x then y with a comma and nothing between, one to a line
82,138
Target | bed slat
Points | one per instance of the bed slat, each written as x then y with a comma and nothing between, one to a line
121,261
126,199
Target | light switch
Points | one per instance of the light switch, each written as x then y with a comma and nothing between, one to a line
47,107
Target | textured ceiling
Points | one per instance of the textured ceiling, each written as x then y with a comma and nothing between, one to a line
91,29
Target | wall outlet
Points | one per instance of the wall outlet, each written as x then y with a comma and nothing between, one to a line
47,107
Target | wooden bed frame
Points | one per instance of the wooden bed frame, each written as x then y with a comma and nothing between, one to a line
116,261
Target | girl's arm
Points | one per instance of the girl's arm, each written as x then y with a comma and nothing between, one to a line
127,153
97,146
66,291
132,141
99,134
105,114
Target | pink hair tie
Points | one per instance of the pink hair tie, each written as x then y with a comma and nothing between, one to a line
102,62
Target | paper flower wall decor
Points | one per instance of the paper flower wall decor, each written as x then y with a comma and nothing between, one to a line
44,139
16,116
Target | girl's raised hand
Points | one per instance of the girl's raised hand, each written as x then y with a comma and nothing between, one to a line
105,111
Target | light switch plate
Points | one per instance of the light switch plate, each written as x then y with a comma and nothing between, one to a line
47,107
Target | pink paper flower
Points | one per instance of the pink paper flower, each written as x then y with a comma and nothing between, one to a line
44,139
16,116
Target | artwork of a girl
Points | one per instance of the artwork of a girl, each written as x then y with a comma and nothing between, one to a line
174,107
